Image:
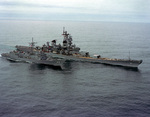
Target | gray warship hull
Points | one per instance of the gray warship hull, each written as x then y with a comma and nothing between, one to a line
108,61
32,59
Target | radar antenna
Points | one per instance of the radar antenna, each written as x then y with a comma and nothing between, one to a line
129,56
63,30
32,44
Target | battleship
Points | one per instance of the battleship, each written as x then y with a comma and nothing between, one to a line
67,51
70,52
29,55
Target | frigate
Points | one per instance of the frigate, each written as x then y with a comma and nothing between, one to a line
30,55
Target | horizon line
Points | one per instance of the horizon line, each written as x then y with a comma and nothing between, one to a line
74,20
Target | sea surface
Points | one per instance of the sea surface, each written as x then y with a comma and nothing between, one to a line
81,89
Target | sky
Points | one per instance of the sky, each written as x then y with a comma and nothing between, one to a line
76,10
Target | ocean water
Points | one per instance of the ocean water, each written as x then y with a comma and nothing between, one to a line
82,89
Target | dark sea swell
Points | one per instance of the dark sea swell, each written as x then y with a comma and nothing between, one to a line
82,89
